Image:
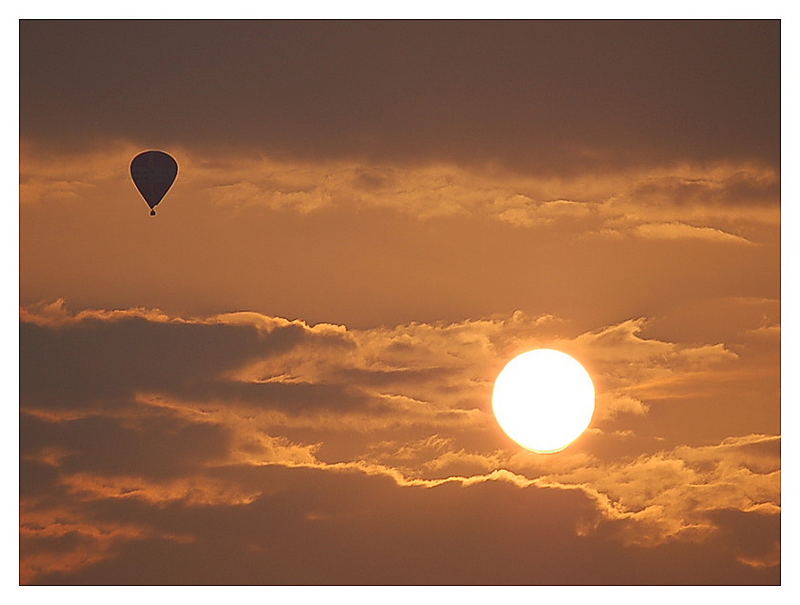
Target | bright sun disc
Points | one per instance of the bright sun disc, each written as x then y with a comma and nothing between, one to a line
543,400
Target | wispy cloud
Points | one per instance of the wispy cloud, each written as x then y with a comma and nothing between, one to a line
647,202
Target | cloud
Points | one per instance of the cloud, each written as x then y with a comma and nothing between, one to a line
647,362
187,430
677,230
716,188
588,201
291,374
367,529
405,91
677,493
100,358
767,332
159,445
651,202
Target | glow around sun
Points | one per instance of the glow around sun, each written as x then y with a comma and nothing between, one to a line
543,400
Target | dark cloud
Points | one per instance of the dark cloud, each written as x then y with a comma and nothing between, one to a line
289,397
94,362
754,537
37,479
315,527
158,445
396,376
738,189
542,95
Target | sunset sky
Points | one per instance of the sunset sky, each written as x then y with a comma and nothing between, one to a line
285,377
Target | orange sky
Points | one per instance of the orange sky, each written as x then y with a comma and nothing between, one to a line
285,377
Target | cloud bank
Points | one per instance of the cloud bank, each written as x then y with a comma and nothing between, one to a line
150,437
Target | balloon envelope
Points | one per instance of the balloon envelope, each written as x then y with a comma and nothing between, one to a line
153,173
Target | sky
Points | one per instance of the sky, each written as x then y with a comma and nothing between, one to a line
285,377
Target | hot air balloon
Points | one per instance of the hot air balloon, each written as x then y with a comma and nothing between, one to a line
153,173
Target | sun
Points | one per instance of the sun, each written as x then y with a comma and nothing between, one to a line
543,400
